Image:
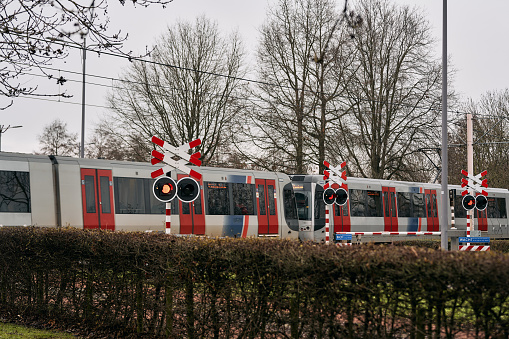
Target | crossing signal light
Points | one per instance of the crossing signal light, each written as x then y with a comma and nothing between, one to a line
188,189
329,196
468,202
341,196
481,202
164,189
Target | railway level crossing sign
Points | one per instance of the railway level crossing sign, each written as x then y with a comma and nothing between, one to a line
330,195
165,188
470,202
180,152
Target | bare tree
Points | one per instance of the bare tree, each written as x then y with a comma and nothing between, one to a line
298,53
187,91
33,33
393,93
106,143
491,139
57,140
329,75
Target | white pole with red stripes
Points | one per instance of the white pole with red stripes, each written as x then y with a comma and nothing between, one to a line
168,218
327,233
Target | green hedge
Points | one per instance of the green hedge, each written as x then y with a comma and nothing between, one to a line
153,285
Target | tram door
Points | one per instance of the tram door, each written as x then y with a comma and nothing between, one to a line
342,215
431,210
267,206
192,215
390,211
97,199
482,221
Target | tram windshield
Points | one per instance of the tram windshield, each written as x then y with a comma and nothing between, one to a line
303,199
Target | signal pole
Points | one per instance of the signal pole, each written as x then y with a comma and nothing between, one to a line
445,191
82,148
470,169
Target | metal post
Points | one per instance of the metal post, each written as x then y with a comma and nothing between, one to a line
82,147
470,169
445,190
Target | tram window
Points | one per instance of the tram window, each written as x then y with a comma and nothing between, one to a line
129,195
365,203
319,203
434,202
502,208
374,204
290,206
411,205
261,199
105,194
428,205
14,192
418,205
90,194
243,199
404,207
496,208
134,196
197,206
218,198
302,199
386,204
357,203
459,211
392,198
186,208
272,202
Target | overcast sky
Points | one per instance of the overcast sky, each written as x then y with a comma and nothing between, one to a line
477,46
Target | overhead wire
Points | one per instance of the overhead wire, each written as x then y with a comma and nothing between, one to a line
132,58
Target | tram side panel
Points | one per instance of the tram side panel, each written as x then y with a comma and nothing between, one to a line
42,194
70,194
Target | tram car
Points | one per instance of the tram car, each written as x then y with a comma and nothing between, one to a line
53,191
395,207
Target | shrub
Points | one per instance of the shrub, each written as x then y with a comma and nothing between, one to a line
145,284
